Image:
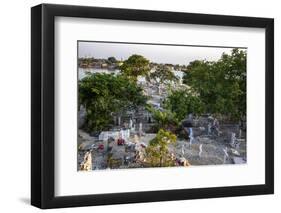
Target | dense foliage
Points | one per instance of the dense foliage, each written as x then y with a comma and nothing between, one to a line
106,94
164,119
220,85
162,75
157,152
134,66
182,102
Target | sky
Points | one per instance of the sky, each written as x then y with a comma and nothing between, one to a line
155,53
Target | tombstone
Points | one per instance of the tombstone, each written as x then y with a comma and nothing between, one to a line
200,150
216,123
140,128
103,136
209,128
131,124
191,138
233,139
122,134
190,132
128,133
182,150
119,120
225,154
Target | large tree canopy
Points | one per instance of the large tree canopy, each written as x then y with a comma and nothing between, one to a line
182,102
162,74
134,66
220,85
106,94
157,152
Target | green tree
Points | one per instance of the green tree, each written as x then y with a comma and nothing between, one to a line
157,152
134,66
220,85
182,102
104,95
164,119
112,60
162,75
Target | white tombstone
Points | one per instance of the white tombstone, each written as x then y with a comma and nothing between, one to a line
128,133
190,132
140,128
122,134
191,138
103,136
182,150
200,150
225,154
131,124
233,139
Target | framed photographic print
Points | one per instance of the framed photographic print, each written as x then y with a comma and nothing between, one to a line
140,106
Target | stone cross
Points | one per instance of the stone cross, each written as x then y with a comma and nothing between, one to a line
200,150
225,154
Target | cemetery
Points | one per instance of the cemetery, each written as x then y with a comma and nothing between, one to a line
161,117
203,147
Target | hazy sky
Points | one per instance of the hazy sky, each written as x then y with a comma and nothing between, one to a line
154,53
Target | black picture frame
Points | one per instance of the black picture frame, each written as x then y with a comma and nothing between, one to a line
43,111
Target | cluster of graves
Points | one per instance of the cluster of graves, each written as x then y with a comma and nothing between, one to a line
213,142
203,140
